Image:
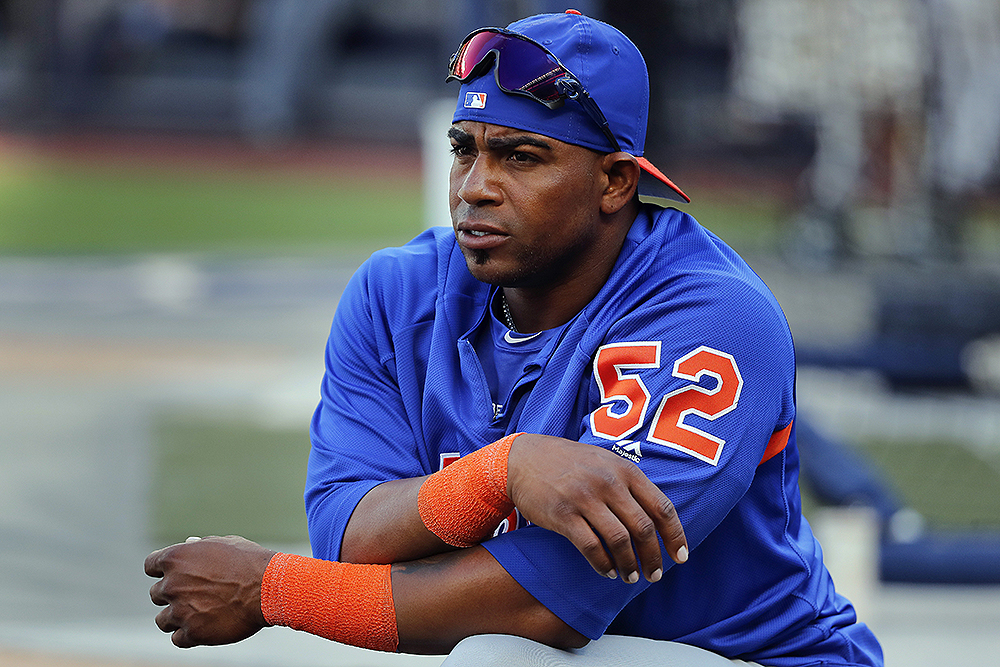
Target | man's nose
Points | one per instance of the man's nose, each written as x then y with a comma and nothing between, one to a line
479,185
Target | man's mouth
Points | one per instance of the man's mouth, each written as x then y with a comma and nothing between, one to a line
480,239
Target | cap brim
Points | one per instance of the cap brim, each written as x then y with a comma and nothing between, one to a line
653,184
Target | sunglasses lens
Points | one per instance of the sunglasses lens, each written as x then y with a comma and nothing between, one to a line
523,66
472,53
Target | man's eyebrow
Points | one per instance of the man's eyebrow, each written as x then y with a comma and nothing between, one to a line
499,143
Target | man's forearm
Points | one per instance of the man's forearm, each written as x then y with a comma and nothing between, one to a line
386,527
423,606
221,590
459,506
443,599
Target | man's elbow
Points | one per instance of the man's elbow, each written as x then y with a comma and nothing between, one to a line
565,641
471,649
571,640
553,632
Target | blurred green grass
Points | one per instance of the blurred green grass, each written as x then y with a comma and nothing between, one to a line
950,485
70,207
65,207
227,476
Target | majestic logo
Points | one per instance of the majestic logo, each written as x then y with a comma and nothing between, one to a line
475,100
628,449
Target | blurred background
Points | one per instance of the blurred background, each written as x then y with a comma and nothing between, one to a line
187,185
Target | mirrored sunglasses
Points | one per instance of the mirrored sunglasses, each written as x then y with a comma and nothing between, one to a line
522,66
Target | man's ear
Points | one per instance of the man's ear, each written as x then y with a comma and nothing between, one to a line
622,171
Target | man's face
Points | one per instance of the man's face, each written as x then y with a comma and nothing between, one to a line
525,207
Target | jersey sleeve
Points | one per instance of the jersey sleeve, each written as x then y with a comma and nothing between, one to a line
360,432
697,388
717,402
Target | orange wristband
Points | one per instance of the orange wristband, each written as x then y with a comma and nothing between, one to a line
463,503
348,603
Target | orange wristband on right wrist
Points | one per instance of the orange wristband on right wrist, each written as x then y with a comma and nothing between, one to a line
348,603
464,502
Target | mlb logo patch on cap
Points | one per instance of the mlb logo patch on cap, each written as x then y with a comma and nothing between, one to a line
475,100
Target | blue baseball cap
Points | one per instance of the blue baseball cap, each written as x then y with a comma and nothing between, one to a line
612,71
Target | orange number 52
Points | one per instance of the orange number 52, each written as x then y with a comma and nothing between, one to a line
669,427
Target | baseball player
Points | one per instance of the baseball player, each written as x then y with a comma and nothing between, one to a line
509,404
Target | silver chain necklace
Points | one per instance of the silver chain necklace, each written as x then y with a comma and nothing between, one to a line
507,318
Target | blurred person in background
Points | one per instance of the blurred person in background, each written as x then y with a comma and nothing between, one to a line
95,40
855,70
965,114
28,35
92,37
288,49
286,42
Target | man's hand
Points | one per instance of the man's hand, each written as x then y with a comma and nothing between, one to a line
210,588
590,495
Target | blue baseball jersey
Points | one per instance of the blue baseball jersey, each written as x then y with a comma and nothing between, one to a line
682,363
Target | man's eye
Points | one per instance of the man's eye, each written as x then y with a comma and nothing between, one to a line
460,150
521,156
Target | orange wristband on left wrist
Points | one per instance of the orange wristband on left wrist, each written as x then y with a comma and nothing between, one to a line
463,503
348,603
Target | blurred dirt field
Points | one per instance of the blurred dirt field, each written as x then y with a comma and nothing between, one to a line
23,659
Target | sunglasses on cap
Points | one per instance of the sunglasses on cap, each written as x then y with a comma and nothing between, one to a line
523,67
